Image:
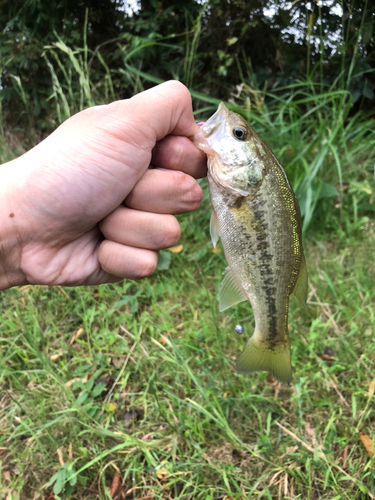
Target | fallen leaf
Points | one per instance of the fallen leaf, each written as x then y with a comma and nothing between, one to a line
59,454
163,338
125,392
117,362
133,416
55,356
109,407
371,389
116,484
162,472
367,443
71,382
327,356
107,380
328,353
291,449
76,335
311,432
147,438
176,249
77,379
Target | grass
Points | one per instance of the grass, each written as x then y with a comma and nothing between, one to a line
138,379
148,387
308,124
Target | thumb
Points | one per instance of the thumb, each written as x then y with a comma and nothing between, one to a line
160,111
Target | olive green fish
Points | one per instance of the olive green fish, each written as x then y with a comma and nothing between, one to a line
257,217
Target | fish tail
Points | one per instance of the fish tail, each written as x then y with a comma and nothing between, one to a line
258,357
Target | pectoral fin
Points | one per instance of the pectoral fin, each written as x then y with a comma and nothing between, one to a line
230,293
301,288
214,228
258,357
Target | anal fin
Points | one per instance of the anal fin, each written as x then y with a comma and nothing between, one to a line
230,293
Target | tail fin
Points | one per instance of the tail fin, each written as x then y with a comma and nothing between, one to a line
256,357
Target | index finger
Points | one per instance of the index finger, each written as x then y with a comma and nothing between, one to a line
179,153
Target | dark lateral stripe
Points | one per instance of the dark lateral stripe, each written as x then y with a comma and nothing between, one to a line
262,246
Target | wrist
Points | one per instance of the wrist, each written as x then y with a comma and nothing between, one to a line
10,237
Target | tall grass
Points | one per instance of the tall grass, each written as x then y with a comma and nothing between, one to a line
309,125
69,97
322,147
326,150
74,90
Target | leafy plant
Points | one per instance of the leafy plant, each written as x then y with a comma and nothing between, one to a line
63,480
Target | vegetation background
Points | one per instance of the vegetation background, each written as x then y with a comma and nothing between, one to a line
129,390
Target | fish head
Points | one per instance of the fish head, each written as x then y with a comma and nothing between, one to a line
234,151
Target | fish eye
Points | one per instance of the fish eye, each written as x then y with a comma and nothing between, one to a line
239,133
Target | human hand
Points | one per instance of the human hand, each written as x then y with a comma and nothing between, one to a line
84,208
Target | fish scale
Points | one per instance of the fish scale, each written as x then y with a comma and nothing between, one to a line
257,217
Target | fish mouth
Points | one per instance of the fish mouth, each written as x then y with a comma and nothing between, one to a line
213,123
203,139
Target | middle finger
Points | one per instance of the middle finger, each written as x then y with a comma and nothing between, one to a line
141,229
165,191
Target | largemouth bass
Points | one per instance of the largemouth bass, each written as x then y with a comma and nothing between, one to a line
257,217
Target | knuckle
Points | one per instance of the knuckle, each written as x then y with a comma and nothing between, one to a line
177,156
179,93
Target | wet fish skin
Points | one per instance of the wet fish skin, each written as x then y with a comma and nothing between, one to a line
257,216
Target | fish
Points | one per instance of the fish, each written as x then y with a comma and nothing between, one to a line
257,216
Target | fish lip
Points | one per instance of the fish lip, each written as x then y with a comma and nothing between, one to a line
213,123
202,138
